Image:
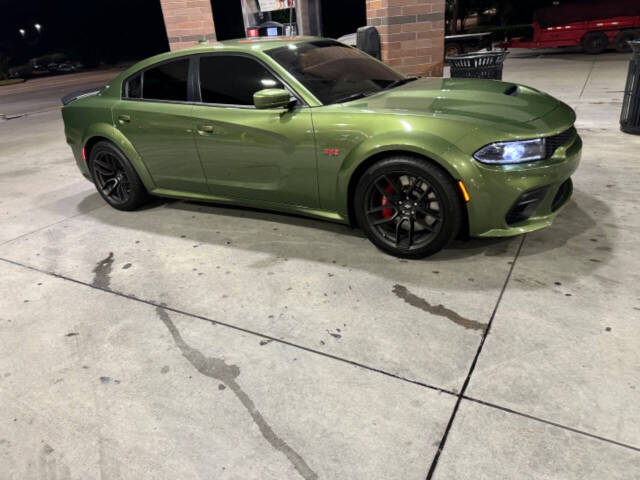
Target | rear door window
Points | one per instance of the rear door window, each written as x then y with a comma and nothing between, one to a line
167,81
233,79
134,87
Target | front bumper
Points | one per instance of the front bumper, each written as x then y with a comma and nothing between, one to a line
513,199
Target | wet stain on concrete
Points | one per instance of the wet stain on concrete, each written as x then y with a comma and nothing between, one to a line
439,310
220,370
102,272
165,369
106,380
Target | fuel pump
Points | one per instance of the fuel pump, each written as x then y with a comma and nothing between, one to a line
270,18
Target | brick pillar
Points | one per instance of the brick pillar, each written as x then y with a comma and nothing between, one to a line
187,22
411,34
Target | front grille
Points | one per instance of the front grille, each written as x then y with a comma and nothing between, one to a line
552,143
526,205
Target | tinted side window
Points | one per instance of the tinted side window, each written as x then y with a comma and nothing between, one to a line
167,81
134,87
233,80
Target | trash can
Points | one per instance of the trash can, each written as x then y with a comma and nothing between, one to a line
630,116
477,65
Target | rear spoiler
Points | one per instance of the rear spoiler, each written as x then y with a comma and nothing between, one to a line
70,97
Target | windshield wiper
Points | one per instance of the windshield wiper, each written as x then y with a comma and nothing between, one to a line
402,81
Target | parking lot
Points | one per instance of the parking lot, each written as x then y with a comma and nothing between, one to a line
188,340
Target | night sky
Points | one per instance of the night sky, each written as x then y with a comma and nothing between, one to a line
85,30
108,31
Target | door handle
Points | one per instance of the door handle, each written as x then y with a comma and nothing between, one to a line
124,119
205,129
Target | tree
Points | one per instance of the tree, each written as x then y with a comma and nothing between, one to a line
4,66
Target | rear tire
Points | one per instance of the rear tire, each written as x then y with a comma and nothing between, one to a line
595,42
623,37
115,178
408,207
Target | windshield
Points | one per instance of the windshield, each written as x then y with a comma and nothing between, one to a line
334,72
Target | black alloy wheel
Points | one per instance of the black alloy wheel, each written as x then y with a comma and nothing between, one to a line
111,178
408,207
115,178
595,42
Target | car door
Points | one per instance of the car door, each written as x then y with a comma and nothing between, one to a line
246,153
155,115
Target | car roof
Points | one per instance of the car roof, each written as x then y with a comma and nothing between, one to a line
236,45
264,43
243,45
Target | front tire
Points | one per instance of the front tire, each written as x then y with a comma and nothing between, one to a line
408,207
595,42
115,178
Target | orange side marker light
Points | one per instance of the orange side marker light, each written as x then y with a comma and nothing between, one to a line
463,189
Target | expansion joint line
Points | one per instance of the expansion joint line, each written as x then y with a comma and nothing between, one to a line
461,395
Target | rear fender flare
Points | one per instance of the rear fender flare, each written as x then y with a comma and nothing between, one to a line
108,131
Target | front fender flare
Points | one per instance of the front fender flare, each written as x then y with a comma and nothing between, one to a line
435,148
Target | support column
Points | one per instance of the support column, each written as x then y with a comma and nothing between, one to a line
187,22
411,34
308,17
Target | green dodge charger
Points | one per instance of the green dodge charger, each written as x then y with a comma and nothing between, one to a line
314,127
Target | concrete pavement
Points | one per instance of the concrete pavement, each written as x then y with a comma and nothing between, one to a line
187,340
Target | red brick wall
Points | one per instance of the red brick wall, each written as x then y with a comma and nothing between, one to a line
411,33
187,22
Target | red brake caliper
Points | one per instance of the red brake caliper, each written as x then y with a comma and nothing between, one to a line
387,212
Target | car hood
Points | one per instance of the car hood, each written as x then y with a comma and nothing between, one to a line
482,100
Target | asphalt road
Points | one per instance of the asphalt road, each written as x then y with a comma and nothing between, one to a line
42,94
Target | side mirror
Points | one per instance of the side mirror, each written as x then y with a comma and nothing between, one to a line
272,98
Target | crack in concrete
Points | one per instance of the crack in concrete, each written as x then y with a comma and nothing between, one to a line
220,370
439,310
102,272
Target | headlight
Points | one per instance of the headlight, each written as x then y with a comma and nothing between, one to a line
504,153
